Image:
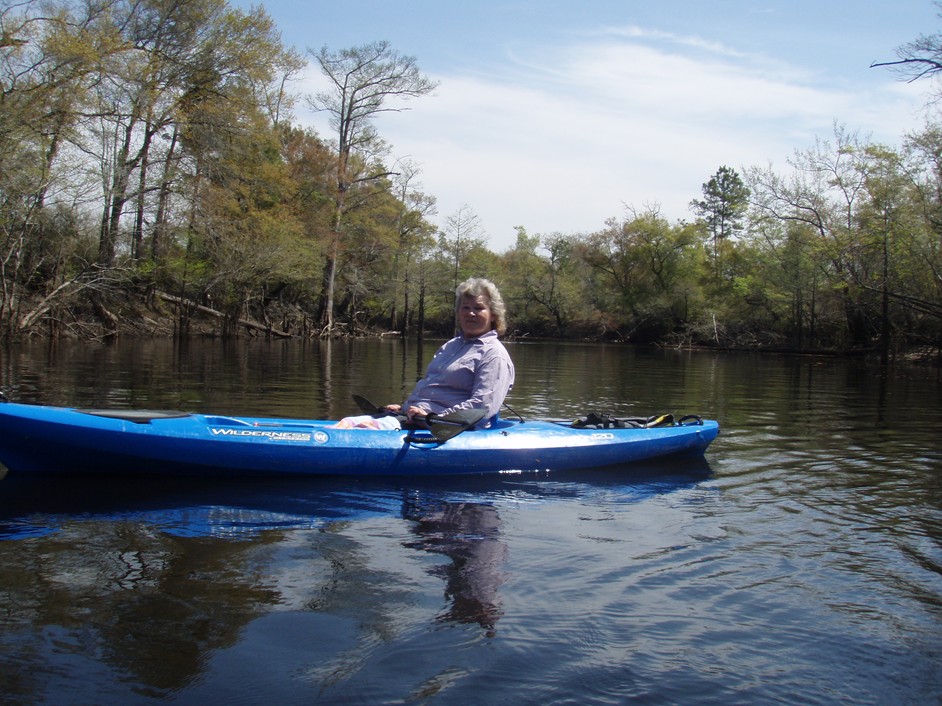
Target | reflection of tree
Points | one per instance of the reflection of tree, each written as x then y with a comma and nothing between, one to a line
468,534
143,602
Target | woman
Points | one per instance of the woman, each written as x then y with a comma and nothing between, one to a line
471,371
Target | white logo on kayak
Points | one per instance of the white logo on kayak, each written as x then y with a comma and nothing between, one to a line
603,435
273,435
321,437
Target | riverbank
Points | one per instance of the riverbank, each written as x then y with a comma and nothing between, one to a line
163,315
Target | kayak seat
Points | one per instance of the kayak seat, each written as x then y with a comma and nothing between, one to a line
138,416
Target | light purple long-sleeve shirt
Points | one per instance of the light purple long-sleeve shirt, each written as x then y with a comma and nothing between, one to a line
465,374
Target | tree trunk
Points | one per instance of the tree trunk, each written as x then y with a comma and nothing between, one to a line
163,198
330,266
137,239
885,302
421,321
330,276
111,216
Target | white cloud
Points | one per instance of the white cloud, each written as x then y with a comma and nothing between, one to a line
642,33
562,138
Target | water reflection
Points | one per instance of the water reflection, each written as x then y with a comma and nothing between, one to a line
242,508
122,600
468,533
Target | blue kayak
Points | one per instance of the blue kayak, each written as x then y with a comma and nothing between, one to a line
36,438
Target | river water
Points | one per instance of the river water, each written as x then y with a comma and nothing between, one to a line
799,562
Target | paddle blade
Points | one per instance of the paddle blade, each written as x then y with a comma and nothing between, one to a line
366,406
449,426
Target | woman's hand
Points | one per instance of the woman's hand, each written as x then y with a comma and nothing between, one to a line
414,412
410,413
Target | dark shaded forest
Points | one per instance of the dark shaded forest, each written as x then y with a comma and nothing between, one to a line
153,182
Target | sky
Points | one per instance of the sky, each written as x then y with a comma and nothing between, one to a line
559,115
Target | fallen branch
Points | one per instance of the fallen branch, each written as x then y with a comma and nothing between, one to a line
45,305
247,323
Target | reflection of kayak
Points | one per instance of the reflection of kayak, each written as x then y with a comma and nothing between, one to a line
57,439
39,504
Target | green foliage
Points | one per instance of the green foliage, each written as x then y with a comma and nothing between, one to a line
723,208
147,147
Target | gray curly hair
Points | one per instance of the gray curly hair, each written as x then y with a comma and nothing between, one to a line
477,287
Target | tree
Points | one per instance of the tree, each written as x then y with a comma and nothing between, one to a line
311,165
552,290
415,236
822,195
646,269
169,57
46,59
925,282
522,266
462,234
850,228
918,59
723,207
883,224
362,81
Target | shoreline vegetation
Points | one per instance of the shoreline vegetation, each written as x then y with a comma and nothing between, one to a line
164,315
153,182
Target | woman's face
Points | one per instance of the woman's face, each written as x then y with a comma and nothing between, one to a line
474,316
